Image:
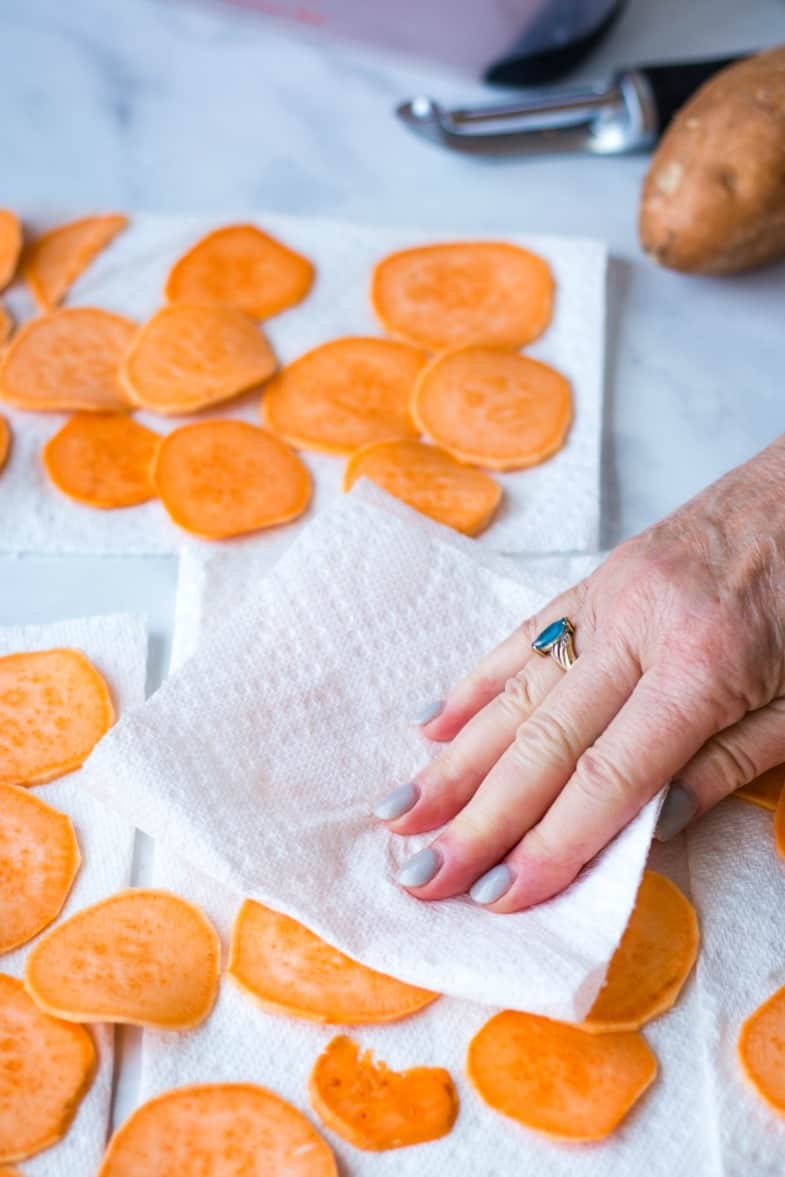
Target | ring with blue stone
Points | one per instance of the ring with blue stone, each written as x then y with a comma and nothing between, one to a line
555,642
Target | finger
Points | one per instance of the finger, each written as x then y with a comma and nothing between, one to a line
654,734
491,672
536,765
732,758
445,785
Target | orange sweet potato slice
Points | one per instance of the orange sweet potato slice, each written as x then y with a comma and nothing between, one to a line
10,245
54,708
219,479
5,441
653,960
103,460
46,1066
430,480
765,790
54,261
39,858
375,1108
762,1050
67,361
487,293
143,957
344,394
240,266
218,1130
555,1077
288,969
492,408
186,358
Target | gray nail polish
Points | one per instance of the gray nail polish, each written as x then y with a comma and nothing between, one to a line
420,869
396,803
493,884
428,713
678,810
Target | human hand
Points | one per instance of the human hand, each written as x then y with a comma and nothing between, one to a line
680,677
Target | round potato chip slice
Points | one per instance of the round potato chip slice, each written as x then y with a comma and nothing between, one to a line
5,441
67,361
46,1066
344,394
142,957
762,1050
54,708
489,293
39,859
492,408
240,266
218,1130
102,460
10,245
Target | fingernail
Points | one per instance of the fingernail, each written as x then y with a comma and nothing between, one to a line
678,810
420,869
493,884
396,803
428,713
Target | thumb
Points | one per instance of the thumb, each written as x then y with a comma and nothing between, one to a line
732,758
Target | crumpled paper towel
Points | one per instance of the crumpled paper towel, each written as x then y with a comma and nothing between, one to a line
242,1042
261,757
117,645
128,277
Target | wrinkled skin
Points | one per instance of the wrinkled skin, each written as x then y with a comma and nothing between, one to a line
680,676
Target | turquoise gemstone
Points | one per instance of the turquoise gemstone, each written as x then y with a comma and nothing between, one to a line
550,636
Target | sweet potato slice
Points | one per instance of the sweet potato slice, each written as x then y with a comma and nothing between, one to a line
653,960
67,361
46,1066
779,825
762,1050
10,245
5,441
143,957
54,708
222,478
240,266
347,393
375,1108
54,261
555,1077
218,1130
492,408
288,969
39,858
186,358
765,790
487,293
430,480
102,460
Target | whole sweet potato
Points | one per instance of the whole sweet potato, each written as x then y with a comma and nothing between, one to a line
714,197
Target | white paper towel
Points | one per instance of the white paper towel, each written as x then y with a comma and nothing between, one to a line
118,647
261,757
242,1042
538,514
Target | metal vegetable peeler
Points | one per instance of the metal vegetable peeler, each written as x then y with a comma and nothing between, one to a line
627,112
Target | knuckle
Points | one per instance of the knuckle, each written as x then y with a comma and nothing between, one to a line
599,779
517,698
542,737
731,762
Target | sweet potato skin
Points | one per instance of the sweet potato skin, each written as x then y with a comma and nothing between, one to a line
713,200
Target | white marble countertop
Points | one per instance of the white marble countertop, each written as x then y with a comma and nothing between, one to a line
200,106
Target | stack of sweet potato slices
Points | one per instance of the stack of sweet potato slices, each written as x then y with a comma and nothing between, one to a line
457,314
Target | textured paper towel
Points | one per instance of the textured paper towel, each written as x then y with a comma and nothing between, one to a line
260,758
243,1042
118,647
128,277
